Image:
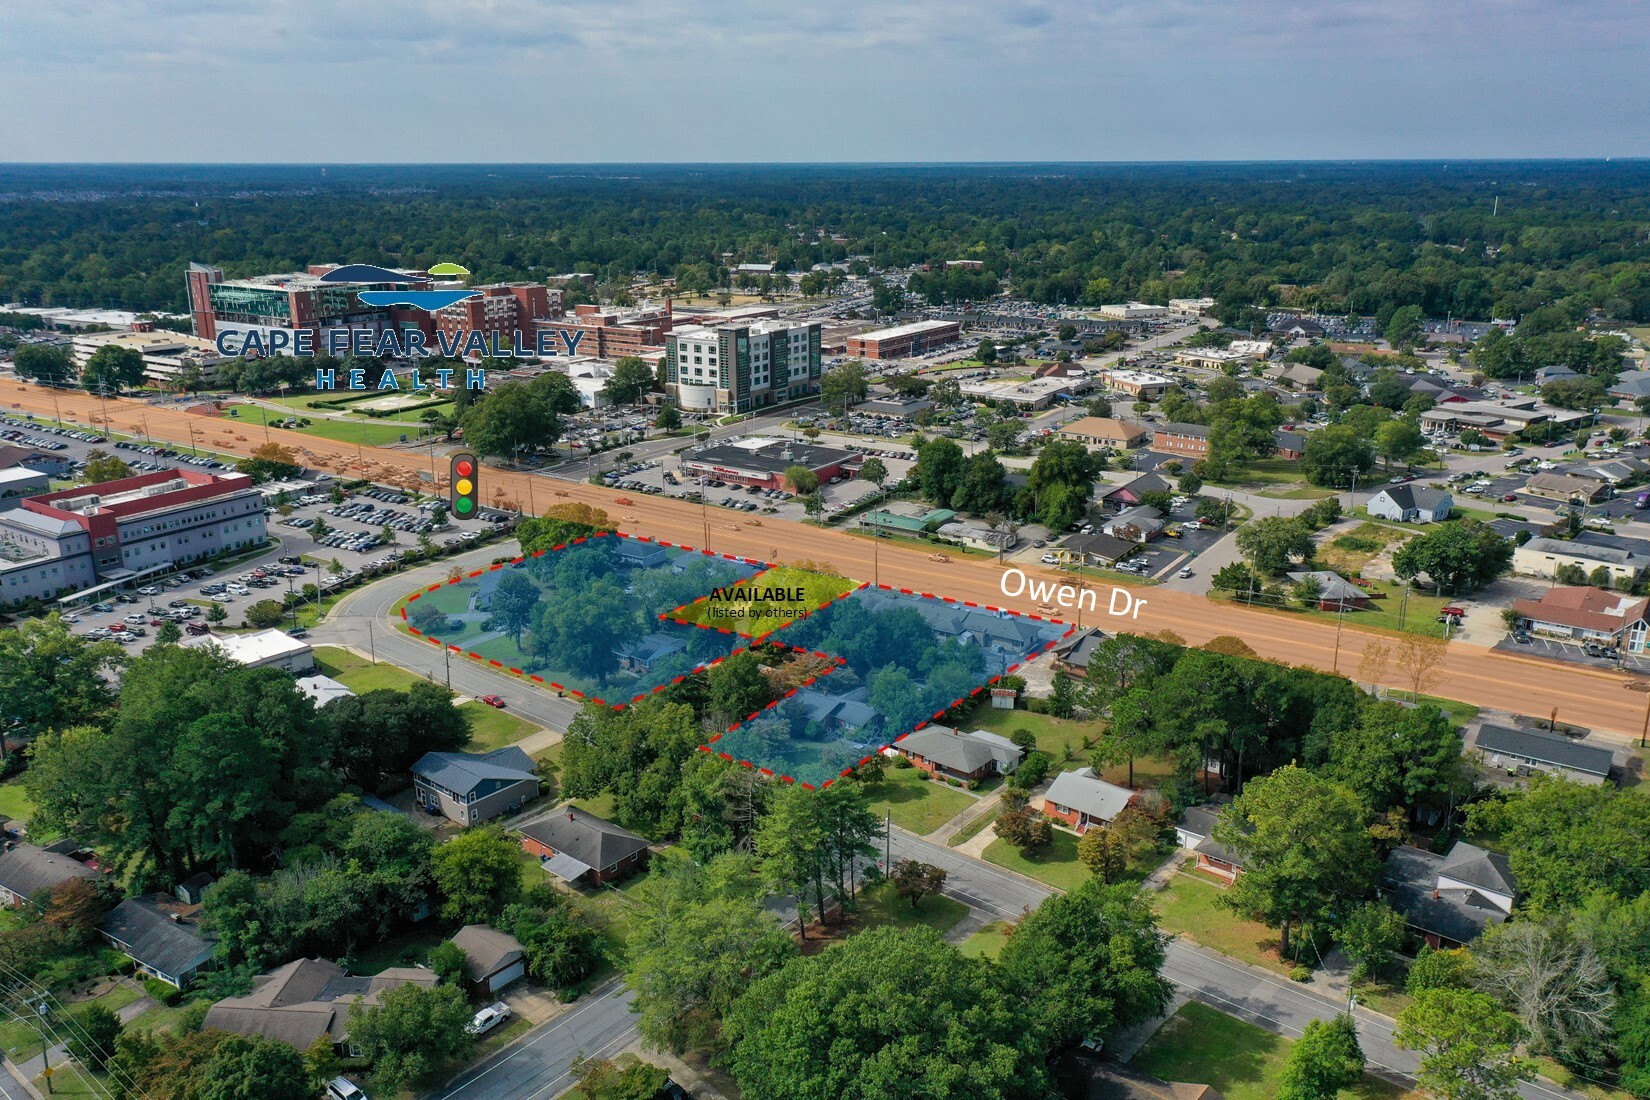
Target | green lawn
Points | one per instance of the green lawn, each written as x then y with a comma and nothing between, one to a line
1201,1046
760,617
21,1040
359,674
14,802
1459,713
1056,865
1350,551
880,907
970,831
1061,738
1417,615
987,942
1187,906
409,949
916,804
491,728
611,909
366,433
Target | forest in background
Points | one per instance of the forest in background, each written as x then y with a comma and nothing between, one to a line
1471,240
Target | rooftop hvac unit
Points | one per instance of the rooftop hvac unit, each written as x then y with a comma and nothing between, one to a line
81,504
165,487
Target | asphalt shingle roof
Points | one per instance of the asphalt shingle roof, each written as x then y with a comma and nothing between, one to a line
462,772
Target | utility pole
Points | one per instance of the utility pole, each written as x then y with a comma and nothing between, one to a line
45,1046
888,844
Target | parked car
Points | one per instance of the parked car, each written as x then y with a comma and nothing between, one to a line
342,1088
493,701
487,1019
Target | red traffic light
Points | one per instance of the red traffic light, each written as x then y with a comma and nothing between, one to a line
463,467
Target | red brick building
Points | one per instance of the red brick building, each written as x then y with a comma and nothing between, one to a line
504,311
577,846
903,341
1182,439
611,333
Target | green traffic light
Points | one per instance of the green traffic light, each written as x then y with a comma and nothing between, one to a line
464,506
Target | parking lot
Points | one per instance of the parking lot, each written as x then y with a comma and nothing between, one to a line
298,558
1569,652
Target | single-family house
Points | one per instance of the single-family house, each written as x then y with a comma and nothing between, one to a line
1073,652
1566,487
322,689
1105,1081
1411,503
1525,750
1289,445
1630,385
492,959
307,998
1335,592
1195,831
1449,899
847,712
641,654
1544,557
26,870
1106,432
469,787
1082,799
1139,524
573,845
1182,439
638,554
941,750
1582,613
1552,373
162,935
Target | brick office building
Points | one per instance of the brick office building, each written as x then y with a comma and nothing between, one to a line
904,341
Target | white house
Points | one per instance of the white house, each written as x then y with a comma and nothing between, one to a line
1409,503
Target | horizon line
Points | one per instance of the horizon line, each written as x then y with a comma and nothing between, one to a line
1434,160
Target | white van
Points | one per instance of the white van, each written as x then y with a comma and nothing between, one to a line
342,1088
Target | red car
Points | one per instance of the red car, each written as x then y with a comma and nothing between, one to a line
493,701
1510,498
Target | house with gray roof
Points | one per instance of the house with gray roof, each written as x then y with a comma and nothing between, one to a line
162,935
469,787
1411,503
306,999
1630,385
643,653
1073,652
940,750
492,959
1449,899
847,712
573,845
1082,799
1335,592
26,870
1527,750
1139,524
1195,830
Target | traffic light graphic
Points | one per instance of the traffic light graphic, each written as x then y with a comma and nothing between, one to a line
465,492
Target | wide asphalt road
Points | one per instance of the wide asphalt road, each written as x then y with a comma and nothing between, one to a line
539,1064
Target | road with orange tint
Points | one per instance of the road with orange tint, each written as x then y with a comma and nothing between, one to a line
1472,674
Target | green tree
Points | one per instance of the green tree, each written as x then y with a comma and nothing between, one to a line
1086,962
1324,1060
1060,482
630,381
939,470
580,629
1399,756
875,471
984,485
168,633
603,1079
265,613
411,1032
519,416
54,678
102,466
885,1013
478,873
246,1067
738,687
1369,935
379,734
1460,556
801,480
1575,393
94,1037
1304,847
1404,329
1434,968
111,368
1102,852
1398,440
986,352
843,385
1466,1043
1336,456
669,419
49,364
791,840
1274,544
448,959
515,598
914,880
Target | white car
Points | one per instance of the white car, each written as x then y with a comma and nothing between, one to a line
342,1088
487,1019
1184,573
1050,559
150,591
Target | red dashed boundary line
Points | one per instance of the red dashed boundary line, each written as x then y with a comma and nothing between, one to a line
764,567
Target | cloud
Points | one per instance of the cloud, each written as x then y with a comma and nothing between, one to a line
851,79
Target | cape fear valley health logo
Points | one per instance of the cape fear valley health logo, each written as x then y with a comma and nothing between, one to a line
399,340
427,300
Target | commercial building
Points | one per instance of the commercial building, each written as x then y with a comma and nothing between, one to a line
505,311
739,368
291,302
762,461
1137,383
1132,311
1567,487
167,356
904,341
1584,614
1191,305
57,543
608,333
1543,557
1182,439
17,482
1498,420
1038,393
263,649
1216,358
1105,431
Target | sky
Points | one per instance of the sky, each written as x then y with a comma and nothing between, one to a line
580,81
